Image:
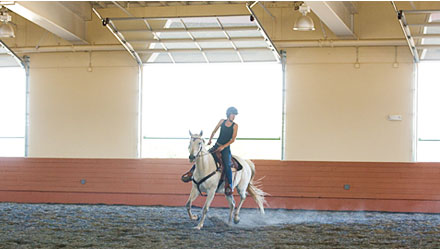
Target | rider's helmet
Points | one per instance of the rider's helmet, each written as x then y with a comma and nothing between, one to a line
231,110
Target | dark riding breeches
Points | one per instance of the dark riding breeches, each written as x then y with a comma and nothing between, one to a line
227,161
227,157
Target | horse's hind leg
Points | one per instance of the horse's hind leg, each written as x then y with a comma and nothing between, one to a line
209,198
192,196
242,194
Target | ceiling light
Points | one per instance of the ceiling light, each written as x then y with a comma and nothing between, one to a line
304,23
6,29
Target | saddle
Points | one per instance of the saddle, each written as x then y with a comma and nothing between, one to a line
219,162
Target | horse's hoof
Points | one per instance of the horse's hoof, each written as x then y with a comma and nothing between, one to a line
236,220
198,227
195,217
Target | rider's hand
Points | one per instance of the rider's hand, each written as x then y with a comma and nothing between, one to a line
209,142
220,149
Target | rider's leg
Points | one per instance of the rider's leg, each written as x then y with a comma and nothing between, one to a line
188,175
226,157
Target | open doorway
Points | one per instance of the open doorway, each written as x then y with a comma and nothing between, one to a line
12,111
182,97
428,124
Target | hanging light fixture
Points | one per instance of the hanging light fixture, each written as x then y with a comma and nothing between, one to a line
6,29
304,22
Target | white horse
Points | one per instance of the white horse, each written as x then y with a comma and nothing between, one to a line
206,179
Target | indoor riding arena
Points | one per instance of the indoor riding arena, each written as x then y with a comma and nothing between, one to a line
105,105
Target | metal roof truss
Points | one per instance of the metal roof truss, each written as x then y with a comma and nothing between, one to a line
209,39
422,31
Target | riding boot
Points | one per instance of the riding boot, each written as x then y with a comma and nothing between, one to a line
188,176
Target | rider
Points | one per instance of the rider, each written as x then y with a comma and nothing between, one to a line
228,133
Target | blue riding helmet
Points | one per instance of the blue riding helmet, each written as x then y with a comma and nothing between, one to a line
231,110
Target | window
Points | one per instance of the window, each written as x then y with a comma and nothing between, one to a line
12,111
428,145
182,97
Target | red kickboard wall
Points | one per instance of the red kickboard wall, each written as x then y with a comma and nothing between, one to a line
373,186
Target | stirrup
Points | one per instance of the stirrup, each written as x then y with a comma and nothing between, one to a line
228,191
187,177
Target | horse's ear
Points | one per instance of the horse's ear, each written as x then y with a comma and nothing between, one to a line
190,133
201,132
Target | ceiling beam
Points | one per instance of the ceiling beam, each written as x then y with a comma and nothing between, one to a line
201,40
81,9
266,10
122,3
426,24
337,15
101,4
195,29
60,19
426,36
351,6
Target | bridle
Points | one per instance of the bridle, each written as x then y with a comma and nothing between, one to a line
199,152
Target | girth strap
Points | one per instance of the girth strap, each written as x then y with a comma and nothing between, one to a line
203,180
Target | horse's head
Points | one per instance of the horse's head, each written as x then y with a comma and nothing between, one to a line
196,145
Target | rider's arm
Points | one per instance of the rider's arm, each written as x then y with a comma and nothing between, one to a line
234,135
215,130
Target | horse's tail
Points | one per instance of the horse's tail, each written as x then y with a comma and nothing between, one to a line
254,188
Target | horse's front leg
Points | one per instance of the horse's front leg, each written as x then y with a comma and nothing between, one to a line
231,202
192,196
209,198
